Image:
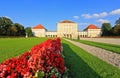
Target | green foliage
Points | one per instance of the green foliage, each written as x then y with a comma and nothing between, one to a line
116,30
20,29
81,64
29,31
106,29
8,28
5,21
13,30
5,24
39,74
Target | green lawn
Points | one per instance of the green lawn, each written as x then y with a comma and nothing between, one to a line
11,47
110,47
84,65
80,63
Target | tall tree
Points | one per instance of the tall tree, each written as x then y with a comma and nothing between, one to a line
29,31
106,29
5,24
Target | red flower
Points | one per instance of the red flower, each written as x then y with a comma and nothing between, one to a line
42,57
53,76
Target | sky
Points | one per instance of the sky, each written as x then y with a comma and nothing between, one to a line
48,13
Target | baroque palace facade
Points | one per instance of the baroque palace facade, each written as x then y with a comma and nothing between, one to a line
67,29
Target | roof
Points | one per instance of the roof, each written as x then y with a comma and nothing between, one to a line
92,26
39,26
66,21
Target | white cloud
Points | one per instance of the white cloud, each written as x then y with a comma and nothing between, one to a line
115,12
95,16
101,15
87,16
103,21
76,17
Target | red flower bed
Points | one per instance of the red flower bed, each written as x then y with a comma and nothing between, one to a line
43,61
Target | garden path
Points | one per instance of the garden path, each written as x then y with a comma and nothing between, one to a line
108,56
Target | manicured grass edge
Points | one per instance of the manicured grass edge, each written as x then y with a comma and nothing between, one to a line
111,47
80,63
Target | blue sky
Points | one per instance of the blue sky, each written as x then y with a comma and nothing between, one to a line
49,12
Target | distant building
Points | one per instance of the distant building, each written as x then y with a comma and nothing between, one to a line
67,29
39,31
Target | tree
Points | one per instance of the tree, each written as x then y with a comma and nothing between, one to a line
106,29
14,30
117,22
5,24
20,29
29,31
116,30
7,28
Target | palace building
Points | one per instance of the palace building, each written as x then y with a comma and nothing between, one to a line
67,29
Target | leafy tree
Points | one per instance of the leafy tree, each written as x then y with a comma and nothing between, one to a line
117,22
8,33
7,28
14,30
29,31
20,29
106,29
116,30
5,24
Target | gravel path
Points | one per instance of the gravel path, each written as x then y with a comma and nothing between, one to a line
108,56
104,40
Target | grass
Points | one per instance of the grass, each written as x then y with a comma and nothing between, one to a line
81,64
110,47
12,47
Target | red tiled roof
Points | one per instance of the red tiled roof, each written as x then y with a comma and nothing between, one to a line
91,26
39,26
66,21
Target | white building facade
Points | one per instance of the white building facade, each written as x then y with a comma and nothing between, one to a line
67,29
39,31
